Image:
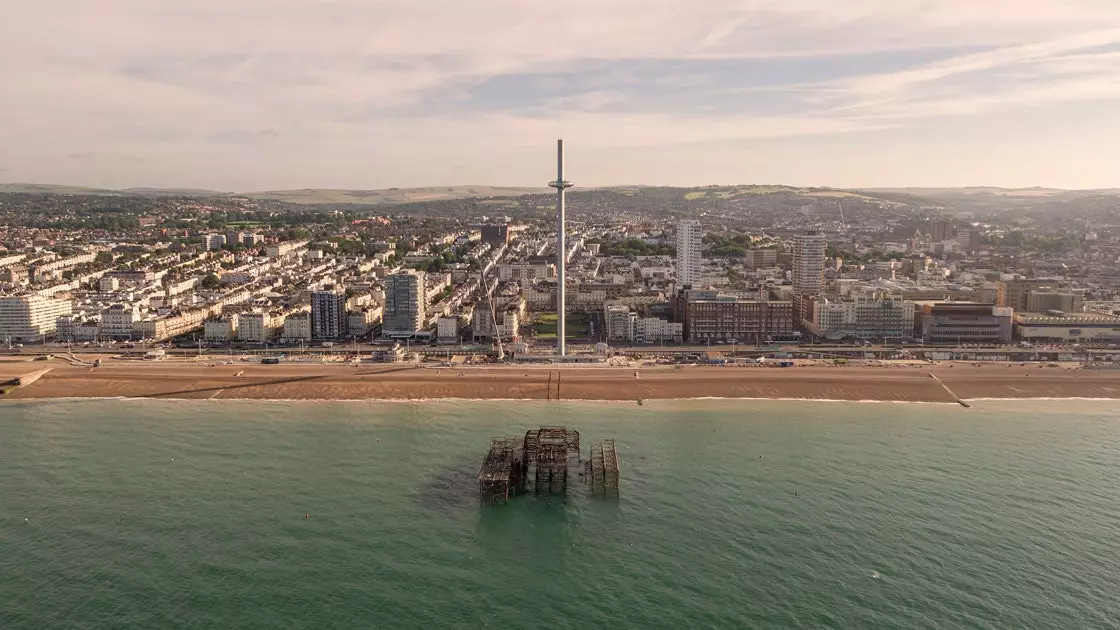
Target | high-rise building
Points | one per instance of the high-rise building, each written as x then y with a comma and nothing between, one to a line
808,263
689,243
943,231
30,317
406,301
213,241
328,314
495,233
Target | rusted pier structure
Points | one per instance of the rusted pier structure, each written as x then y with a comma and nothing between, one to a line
602,468
546,460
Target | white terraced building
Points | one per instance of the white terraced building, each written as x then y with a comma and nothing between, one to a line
30,317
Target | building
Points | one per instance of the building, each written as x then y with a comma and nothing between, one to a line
969,239
222,328
297,327
212,242
761,258
655,330
808,263
16,275
1061,327
30,317
328,314
108,284
620,322
885,318
255,327
958,323
729,318
495,233
117,320
364,320
690,239
1041,301
406,302
447,329
943,231
283,249
1016,293
527,271
507,321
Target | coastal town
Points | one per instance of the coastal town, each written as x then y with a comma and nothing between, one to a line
744,276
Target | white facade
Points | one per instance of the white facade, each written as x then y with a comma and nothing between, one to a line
297,327
624,325
526,271
31,316
690,238
620,323
255,327
361,322
211,242
887,318
654,330
447,328
221,329
808,263
116,321
283,249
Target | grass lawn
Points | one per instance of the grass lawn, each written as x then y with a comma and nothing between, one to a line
545,326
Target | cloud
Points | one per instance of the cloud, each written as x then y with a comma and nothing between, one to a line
180,81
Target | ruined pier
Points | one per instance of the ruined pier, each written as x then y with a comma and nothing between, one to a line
546,460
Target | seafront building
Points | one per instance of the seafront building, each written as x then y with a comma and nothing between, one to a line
328,314
884,318
30,317
727,318
1063,327
406,303
690,237
958,323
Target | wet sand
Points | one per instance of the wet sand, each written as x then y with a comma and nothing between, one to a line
339,382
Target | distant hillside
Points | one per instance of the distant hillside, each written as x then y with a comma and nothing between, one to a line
302,196
391,195
51,189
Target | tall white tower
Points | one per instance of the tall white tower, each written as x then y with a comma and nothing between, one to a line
561,247
690,239
808,263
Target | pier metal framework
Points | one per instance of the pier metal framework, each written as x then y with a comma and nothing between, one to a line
545,461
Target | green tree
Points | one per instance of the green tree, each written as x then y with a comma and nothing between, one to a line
211,281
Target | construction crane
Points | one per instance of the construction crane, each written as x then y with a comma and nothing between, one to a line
494,320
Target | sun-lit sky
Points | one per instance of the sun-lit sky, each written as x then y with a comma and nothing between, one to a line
274,94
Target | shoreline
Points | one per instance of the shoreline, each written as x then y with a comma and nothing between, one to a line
868,401
244,381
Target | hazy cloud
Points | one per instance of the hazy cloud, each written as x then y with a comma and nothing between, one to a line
371,93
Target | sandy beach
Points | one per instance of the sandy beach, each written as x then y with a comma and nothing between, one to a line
940,383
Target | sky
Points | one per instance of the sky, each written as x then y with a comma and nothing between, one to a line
246,95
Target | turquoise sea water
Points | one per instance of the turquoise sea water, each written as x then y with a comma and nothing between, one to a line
145,514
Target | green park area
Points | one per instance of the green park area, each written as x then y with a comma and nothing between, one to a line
544,325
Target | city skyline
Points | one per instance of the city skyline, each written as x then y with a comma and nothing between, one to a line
864,94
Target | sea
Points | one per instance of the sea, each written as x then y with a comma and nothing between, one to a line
730,514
